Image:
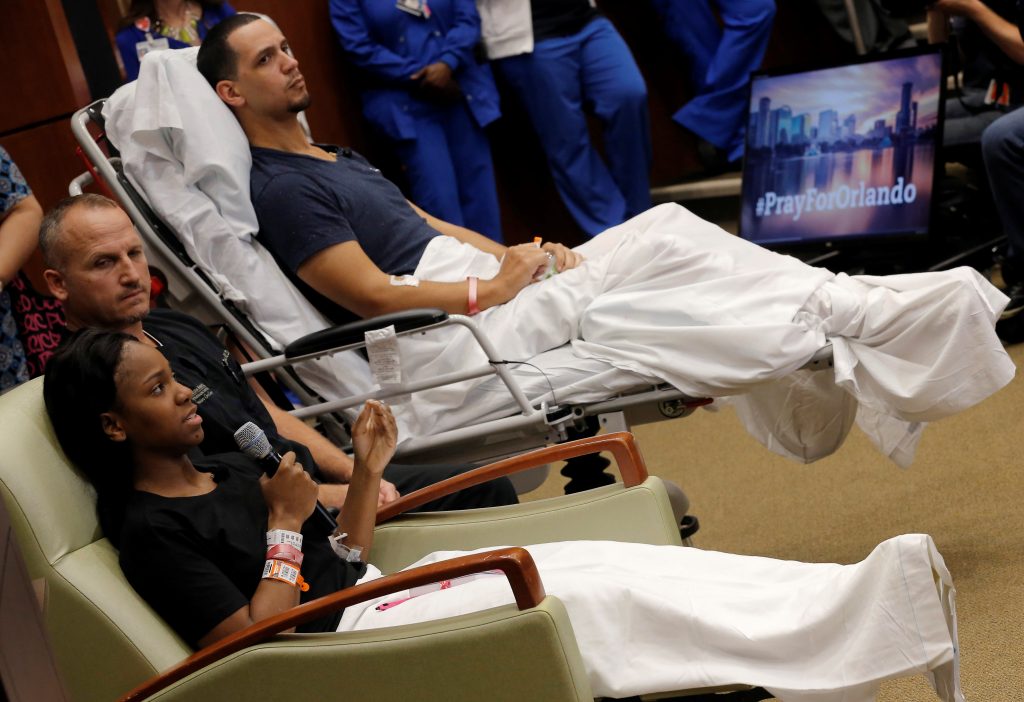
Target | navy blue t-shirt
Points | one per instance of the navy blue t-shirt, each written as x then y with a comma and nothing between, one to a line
305,205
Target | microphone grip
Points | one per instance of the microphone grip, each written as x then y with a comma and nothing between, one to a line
270,462
322,520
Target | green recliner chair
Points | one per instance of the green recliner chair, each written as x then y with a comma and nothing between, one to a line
107,641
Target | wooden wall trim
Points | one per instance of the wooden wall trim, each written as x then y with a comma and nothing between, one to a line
66,44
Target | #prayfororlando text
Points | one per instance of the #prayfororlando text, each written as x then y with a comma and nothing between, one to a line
844,197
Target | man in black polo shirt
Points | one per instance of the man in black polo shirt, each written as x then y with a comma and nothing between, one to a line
98,270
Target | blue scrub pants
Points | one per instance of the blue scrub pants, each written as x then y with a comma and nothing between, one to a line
592,69
1002,145
449,168
721,61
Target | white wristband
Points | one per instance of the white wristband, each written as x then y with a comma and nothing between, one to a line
345,553
282,536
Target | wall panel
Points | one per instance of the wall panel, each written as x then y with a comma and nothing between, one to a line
42,76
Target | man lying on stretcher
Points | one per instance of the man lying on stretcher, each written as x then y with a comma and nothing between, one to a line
664,295
323,209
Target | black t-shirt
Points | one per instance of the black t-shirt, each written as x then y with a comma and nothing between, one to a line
560,18
305,205
219,388
196,560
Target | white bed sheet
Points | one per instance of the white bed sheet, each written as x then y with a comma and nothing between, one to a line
669,295
667,618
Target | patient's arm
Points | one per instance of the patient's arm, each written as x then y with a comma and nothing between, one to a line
464,235
345,274
565,258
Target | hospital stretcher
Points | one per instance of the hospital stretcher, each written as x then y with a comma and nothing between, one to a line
534,418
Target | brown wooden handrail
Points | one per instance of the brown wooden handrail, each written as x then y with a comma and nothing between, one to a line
515,562
622,445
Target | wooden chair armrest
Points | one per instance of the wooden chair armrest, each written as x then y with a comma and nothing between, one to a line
515,562
621,444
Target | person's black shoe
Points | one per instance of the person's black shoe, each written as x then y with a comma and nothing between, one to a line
1016,304
1011,270
1010,330
1010,327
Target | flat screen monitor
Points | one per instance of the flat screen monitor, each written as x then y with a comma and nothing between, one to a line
843,152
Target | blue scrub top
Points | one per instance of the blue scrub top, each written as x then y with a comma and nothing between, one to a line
389,45
130,36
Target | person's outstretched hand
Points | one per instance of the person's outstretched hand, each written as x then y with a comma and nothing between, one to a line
374,436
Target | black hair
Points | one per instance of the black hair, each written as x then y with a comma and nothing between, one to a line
79,386
217,61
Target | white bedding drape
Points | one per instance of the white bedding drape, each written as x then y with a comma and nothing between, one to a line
669,295
667,618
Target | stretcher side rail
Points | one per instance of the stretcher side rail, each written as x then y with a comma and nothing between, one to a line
539,422
352,333
351,336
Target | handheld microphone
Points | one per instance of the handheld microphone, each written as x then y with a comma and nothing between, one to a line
253,442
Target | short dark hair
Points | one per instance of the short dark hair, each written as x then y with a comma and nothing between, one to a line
52,226
217,61
80,384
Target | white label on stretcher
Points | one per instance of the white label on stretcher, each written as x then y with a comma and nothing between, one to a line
385,360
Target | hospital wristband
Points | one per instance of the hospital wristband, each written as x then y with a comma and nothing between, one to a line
287,553
283,536
348,554
471,301
285,573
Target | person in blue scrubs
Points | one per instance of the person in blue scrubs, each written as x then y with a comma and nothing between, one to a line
165,24
428,94
721,59
580,63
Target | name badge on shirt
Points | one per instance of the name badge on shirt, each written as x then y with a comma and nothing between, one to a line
418,8
144,47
